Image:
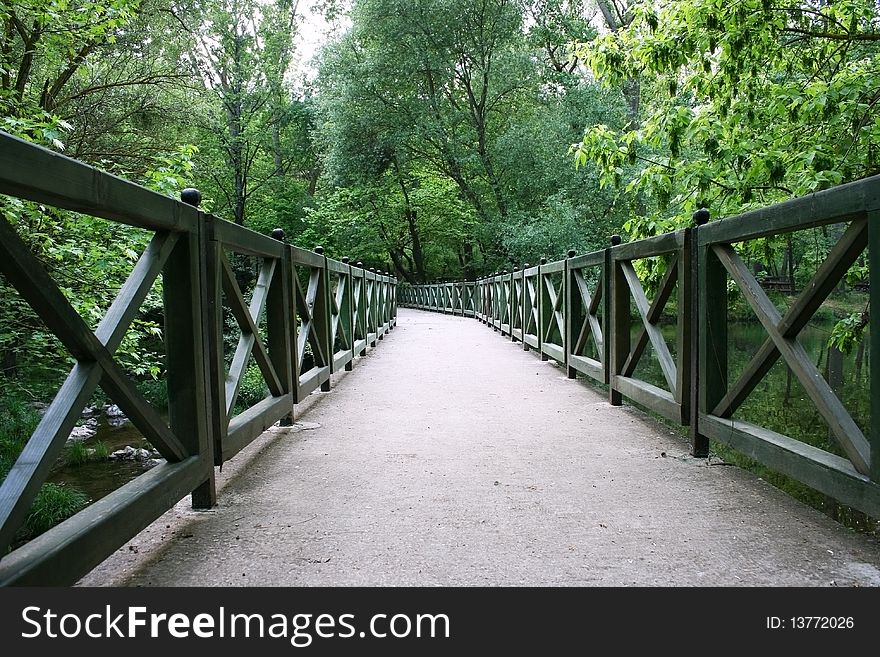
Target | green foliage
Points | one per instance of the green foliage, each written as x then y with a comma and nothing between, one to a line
253,388
848,332
89,259
53,504
101,451
18,419
483,96
78,453
748,103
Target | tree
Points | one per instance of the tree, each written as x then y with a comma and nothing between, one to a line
243,57
753,102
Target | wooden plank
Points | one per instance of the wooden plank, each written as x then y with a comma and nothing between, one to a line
555,267
840,203
280,332
839,260
35,173
246,241
186,348
341,359
311,380
873,338
699,441
607,325
213,331
253,422
249,342
304,258
711,334
655,335
555,351
825,472
574,316
36,287
142,415
657,399
30,470
651,246
594,259
667,286
306,331
590,367
842,426
125,307
71,549
600,294
683,330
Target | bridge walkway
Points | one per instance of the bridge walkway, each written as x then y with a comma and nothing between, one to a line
452,457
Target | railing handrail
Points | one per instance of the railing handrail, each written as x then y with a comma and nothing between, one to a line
701,260
343,311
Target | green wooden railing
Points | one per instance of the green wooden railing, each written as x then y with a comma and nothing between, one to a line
579,312
305,300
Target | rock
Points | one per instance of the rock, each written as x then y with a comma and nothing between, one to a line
91,411
113,411
125,454
84,432
130,453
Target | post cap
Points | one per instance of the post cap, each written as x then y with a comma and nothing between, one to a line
278,234
360,264
701,216
615,240
526,265
319,250
516,268
344,260
572,253
191,196
543,261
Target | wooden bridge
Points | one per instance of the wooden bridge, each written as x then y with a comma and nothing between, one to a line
487,456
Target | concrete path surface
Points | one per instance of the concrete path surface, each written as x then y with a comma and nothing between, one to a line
452,457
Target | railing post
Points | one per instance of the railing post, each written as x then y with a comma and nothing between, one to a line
352,320
542,304
617,306
874,337
515,301
526,305
321,315
685,329
279,324
572,295
711,382
188,349
699,442
363,302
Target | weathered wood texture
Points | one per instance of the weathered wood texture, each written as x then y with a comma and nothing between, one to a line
279,317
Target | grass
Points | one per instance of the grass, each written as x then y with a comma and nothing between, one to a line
78,453
54,502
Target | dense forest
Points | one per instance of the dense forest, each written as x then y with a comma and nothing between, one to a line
442,138
434,138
